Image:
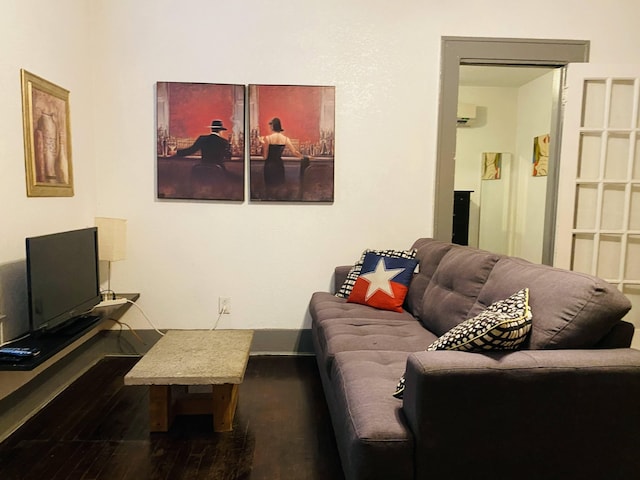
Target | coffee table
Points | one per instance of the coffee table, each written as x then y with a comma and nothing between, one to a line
186,360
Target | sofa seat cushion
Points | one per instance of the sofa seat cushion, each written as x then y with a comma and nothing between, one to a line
504,325
342,335
371,429
325,306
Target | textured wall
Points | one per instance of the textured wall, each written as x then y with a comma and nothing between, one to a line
383,58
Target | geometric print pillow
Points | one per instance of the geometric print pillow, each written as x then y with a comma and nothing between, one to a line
354,273
503,325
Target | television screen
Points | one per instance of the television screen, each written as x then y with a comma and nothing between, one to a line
63,280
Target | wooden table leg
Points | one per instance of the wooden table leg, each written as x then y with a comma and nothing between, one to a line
225,399
160,411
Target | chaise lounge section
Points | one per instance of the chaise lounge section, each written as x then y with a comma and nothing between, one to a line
563,405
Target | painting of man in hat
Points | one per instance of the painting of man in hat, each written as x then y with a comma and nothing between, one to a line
214,148
199,158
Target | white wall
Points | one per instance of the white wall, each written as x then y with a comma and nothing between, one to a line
494,130
384,61
49,39
268,258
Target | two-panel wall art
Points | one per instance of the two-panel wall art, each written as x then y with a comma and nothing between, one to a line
208,150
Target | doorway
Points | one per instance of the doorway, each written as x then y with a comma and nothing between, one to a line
513,111
458,51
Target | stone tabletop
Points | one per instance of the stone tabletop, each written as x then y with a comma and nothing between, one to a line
194,357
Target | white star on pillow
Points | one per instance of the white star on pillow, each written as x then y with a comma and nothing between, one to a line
380,279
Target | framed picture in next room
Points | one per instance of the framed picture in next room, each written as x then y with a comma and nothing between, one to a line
491,165
47,137
291,143
200,141
541,155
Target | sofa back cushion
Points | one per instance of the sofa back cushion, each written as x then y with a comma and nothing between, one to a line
570,309
455,283
454,288
429,253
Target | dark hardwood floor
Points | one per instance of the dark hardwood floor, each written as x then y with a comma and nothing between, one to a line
98,429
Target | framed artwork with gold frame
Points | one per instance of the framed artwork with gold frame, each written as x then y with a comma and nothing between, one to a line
47,137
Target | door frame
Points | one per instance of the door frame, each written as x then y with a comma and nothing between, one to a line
456,51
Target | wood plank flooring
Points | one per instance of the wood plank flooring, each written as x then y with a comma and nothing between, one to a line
98,429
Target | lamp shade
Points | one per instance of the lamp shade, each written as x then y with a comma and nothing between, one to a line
112,238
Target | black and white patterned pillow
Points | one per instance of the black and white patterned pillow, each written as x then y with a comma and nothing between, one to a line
354,273
503,325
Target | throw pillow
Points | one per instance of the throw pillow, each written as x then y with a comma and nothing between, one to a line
503,325
354,273
383,282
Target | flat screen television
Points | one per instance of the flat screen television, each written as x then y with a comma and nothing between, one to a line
63,279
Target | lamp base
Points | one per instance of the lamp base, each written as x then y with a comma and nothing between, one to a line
108,295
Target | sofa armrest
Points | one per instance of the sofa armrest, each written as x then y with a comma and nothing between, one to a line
562,413
340,275
620,336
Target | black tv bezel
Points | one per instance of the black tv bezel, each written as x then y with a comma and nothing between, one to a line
77,311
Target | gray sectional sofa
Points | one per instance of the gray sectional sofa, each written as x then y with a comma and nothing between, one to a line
566,405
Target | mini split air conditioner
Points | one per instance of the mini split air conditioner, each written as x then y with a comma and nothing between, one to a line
466,114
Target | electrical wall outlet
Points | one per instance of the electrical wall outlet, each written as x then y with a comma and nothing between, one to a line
224,305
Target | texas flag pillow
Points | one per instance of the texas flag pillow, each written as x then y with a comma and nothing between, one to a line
383,282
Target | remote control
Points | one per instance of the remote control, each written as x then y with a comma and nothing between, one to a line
18,352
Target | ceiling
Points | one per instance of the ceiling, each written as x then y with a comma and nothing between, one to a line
499,76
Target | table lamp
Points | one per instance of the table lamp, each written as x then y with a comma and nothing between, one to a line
112,246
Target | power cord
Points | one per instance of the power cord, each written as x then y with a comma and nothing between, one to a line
218,320
114,320
9,342
145,316
133,332
153,326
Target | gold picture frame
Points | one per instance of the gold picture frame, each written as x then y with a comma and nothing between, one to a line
47,137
